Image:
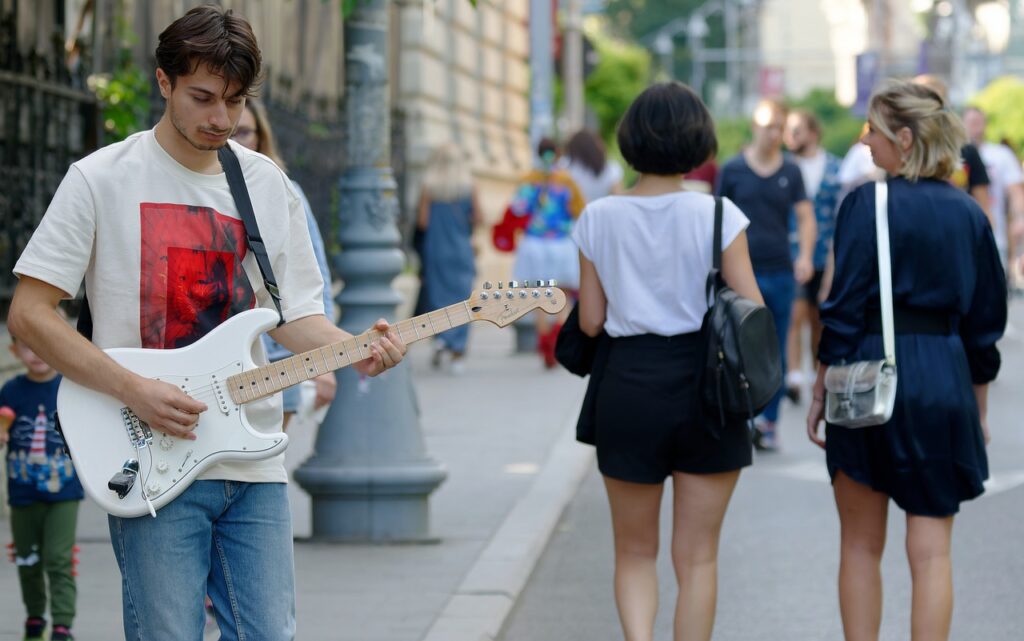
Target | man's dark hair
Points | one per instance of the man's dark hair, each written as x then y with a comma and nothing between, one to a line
667,130
211,36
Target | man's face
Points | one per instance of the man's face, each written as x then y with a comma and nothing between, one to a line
203,108
797,137
768,126
974,123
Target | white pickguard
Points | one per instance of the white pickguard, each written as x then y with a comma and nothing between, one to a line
99,438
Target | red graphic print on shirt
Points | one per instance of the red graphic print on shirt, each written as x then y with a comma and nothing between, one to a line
192,277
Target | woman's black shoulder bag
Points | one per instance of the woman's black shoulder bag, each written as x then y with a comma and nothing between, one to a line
743,367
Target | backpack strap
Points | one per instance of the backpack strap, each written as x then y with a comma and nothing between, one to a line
715,275
236,182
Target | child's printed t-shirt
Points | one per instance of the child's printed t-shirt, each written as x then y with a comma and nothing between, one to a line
39,467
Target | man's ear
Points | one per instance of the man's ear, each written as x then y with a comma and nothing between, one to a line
164,82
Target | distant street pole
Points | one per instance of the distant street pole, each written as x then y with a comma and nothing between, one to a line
572,64
369,476
542,103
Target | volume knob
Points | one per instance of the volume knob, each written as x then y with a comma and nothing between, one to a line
166,443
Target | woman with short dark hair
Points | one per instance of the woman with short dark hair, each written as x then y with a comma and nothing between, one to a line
644,260
949,298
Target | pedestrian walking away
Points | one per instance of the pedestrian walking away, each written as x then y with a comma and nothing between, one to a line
550,200
151,227
448,212
767,187
44,494
595,174
949,297
644,259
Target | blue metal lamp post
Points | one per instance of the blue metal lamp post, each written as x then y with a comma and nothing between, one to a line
370,476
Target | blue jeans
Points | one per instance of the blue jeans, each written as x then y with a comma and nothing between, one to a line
778,290
226,539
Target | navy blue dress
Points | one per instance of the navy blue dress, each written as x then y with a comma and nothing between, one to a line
931,455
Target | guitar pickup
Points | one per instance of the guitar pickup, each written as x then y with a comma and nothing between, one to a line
123,481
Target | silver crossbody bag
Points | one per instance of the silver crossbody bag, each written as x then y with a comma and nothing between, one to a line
863,393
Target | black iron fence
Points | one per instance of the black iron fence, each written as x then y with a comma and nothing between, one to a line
47,121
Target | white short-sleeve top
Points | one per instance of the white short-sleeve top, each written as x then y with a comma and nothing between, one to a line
653,255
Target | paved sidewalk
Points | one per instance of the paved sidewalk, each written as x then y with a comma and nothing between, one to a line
504,430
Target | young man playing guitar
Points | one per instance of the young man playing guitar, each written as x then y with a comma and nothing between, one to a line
151,226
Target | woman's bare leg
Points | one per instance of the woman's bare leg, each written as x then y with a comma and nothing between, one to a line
635,508
699,504
931,569
862,518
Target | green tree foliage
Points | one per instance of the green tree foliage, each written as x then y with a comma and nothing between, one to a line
1001,101
639,20
839,128
621,74
124,98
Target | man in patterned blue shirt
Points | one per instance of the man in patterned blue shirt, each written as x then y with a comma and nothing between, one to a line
820,171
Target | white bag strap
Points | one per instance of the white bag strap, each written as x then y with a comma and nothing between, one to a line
885,269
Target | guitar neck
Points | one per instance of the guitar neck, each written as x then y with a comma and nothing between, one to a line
263,381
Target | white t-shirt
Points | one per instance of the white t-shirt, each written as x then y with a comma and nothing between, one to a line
131,220
1004,170
594,186
813,171
653,255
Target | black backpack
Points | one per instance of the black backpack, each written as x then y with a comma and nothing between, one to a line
743,364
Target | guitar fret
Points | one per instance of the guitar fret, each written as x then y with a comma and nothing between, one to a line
448,316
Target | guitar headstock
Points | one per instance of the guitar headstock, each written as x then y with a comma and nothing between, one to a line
507,302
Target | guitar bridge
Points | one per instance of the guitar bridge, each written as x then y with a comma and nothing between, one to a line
139,434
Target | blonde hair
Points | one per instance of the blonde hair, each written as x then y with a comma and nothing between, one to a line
267,143
447,176
938,134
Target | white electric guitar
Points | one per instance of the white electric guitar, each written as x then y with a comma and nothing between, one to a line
131,470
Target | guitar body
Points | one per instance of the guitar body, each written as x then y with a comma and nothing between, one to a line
102,434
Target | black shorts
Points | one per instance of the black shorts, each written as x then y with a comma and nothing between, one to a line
648,418
810,290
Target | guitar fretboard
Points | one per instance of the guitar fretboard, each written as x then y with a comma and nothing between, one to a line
269,379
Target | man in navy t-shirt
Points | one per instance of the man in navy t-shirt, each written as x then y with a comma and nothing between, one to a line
767,187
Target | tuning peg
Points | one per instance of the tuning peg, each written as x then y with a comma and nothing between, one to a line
513,284
522,293
536,294
539,283
487,284
552,283
500,285
549,293
509,294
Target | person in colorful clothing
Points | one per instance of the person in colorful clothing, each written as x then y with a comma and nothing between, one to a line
553,202
43,492
820,171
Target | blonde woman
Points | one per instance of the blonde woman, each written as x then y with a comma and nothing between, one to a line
949,294
253,131
448,212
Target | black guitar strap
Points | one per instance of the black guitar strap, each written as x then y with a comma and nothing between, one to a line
236,181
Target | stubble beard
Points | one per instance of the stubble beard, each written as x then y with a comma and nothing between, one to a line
180,128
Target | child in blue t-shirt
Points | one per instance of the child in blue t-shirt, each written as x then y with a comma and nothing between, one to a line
44,492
